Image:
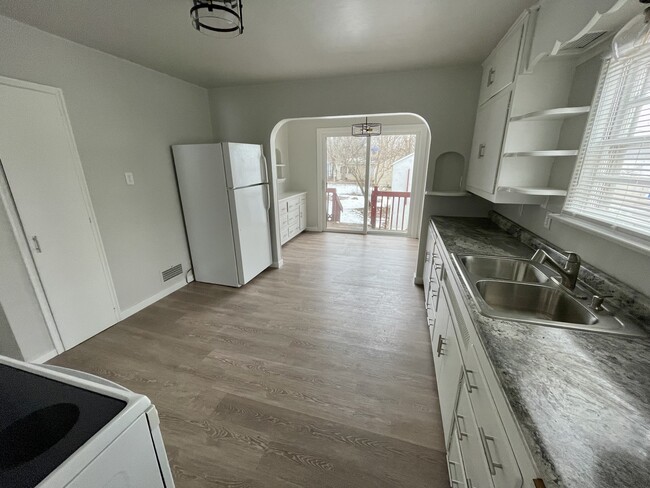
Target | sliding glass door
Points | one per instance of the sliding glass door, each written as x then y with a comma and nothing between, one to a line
368,182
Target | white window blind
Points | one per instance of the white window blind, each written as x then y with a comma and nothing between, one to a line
611,183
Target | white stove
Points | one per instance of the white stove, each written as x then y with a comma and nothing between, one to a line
65,428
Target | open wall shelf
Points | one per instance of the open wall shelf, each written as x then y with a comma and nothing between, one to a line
534,191
552,114
555,153
446,193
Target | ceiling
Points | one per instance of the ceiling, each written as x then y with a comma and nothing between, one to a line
283,39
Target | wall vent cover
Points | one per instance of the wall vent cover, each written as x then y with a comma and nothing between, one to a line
583,42
172,272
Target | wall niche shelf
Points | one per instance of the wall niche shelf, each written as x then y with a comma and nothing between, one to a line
555,153
446,193
534,191
552,114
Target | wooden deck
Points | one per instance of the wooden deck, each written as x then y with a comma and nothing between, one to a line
318,374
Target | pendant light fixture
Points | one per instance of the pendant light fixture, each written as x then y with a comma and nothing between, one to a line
366,129
634,36
218,18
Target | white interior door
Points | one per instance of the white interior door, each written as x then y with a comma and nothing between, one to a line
42,167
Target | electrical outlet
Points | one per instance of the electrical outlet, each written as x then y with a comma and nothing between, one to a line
547,220
129,178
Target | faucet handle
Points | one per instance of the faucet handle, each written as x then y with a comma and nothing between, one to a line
572,257
597,302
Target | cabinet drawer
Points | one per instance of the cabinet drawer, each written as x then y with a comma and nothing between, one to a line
500,68
294,204
498,452
294,230
455,462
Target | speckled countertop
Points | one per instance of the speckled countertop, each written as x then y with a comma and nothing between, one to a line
582,399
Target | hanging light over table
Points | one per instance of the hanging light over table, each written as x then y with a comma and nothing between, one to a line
366,129
218,18
634,36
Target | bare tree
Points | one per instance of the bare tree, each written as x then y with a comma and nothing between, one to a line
348,154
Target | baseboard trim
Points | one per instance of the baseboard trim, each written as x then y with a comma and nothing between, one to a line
313,229
277,264
153,299
418,280
45,357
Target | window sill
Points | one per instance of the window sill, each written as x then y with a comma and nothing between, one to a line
630,242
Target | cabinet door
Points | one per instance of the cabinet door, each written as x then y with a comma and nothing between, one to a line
498,453
455,462
426,268
500,68
475,461
303,212
447,362
489,133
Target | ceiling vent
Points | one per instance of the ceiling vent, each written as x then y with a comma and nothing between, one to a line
583,42
172,272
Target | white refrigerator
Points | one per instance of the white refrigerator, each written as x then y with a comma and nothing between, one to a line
224,191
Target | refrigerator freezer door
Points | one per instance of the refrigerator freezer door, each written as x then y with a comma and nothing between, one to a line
245,165
251,228
206,208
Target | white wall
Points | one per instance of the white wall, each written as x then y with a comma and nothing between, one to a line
445,97
124,118
628,266
302,146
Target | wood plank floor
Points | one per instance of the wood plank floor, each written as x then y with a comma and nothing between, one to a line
318,374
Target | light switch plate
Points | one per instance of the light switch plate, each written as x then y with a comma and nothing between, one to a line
129,178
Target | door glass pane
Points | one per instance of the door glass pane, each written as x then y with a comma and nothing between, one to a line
346,185
391,173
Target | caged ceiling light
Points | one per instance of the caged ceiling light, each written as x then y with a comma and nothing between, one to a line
218,18
634,37
366,129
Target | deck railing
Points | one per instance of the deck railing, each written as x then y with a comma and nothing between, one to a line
334,206
389,210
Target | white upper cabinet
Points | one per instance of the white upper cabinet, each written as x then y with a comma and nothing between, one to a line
490,127
500,67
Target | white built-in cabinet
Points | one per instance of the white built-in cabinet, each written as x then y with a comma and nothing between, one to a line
524,98
480,448
293,215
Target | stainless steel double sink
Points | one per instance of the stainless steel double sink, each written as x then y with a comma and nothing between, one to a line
517,289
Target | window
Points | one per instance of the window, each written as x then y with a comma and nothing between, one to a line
611,183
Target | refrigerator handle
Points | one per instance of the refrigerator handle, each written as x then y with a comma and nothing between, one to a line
268,198
266,168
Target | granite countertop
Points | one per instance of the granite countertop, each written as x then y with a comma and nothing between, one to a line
582,399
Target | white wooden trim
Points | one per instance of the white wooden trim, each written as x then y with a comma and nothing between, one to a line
152,299
277,264
45,357
313,229
81,180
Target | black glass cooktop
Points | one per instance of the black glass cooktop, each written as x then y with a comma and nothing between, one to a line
43,422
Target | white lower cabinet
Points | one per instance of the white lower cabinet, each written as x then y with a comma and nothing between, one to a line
480,450
293,215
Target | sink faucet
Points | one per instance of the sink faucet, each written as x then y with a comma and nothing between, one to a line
569,271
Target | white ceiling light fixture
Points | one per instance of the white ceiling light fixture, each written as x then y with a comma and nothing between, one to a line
634,36
218,18
366,129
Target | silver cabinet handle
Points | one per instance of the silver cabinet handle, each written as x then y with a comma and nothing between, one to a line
491,74
441,342
488,454
481,151
470,387
459,431
37,245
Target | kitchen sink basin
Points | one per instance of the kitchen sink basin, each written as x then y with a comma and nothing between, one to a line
508,269
526,301
510,288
